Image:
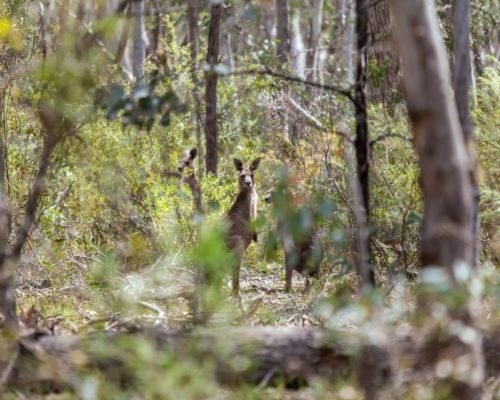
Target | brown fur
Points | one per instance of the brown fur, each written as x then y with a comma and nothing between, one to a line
240,215
186,168
302,255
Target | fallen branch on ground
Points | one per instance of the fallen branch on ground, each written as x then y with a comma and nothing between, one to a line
238,355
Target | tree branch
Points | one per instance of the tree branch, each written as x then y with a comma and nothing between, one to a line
55,127
373,142
311,119
290,78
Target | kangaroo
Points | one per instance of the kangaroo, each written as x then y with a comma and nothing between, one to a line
240,215
302,254
186,168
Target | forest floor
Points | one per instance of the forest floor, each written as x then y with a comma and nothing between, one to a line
160,295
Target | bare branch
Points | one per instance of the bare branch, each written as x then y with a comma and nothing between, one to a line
55,126
312,121
344,92
373,142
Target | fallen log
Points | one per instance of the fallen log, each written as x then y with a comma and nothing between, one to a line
251,355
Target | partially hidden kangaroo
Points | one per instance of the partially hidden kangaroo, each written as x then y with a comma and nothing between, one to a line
239,217
186,168
302,254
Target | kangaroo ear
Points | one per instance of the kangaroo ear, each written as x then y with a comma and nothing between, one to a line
238,164
193,153
255,164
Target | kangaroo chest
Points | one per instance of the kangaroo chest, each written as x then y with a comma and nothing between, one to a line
254,198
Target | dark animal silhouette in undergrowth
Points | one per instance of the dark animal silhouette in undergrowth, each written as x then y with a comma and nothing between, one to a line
186,168
299,236
240,216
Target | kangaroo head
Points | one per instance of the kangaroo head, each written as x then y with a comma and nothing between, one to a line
246,178
268,198
187,160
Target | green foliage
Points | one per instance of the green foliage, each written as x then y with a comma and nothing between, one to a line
117,231
396,199
487,134
142,106
166,377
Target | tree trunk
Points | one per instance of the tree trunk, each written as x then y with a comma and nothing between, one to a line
443,157
297,45
211,89
462,83
138,39
447,222
8,319
297,52
380,52
54,126
361,143
347,28
282,35
227,51
3,138
267,17
122,41
283,55
362,237
156,32
314,36
8,322
193,14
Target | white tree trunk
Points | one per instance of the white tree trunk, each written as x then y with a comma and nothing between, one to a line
227,51
347,28
314,39
297,45
139,39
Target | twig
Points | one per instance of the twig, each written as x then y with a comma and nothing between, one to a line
344,92
183,270
59,199
263,383
7,371
152,307
86,257
176,255
387,135
388,292
312,121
